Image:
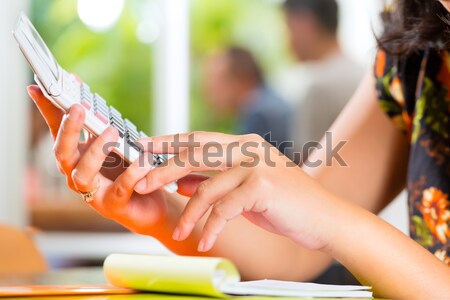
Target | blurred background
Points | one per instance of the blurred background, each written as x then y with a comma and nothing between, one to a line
165,64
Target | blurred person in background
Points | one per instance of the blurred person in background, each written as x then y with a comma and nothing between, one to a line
234,84
325,79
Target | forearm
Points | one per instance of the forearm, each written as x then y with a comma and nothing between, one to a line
369,180
257,253
381,256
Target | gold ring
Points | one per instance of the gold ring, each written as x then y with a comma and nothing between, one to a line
88,196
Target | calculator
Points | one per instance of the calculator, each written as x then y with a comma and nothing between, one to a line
63,90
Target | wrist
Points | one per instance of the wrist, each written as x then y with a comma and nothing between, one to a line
320,214
350,224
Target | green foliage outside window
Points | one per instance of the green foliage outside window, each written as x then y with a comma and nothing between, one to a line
119,67
114,63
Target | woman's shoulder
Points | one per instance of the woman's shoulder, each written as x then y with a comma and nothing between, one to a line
402,80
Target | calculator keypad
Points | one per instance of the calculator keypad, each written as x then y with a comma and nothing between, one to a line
86,96
101,110
108,115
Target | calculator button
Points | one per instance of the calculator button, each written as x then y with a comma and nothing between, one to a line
116,121
162,158
86,96
102,117
99,100
78,79
135,146
116,124
102,110
114,113
86,104
130,125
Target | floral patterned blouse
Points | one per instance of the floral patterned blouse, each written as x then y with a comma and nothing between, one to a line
415,92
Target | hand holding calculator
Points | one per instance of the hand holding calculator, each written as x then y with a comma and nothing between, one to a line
63,90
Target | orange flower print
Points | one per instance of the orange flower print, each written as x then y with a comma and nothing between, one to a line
380,64
396,89
436,214
441,254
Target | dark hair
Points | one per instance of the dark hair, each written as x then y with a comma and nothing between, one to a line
326,11
243,63
413,25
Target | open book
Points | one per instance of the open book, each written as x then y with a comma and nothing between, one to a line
206,276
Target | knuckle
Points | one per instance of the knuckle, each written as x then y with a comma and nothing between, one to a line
58,154
260,181
217,212
119,190
253,137
202,189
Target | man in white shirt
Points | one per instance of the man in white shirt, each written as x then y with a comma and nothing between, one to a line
325,79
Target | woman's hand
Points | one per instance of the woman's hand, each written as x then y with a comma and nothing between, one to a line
85,167
255,180
156,213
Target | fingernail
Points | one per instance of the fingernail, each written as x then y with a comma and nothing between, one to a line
201,246
176,234
141,186
78,178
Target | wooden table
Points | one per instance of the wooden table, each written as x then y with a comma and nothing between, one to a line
89,276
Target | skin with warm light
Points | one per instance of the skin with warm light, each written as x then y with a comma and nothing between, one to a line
299,218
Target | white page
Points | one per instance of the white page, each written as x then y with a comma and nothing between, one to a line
295,289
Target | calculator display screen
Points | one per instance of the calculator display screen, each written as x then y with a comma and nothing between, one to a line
37,53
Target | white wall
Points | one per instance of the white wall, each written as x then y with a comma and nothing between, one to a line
359,19
13,118
171,72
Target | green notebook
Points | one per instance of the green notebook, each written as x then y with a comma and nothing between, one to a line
208,276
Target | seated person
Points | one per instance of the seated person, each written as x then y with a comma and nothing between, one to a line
234,83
